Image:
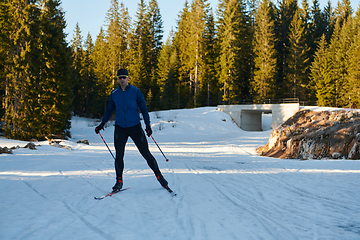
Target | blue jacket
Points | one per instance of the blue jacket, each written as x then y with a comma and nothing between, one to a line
127,104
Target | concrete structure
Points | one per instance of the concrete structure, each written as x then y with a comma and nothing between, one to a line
248,117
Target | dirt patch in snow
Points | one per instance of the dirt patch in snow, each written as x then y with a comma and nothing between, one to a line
316,135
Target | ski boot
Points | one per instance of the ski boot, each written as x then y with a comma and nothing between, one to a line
162,181
118,185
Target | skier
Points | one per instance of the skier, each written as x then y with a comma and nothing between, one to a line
127,100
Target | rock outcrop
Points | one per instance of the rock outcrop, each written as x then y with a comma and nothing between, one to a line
316,135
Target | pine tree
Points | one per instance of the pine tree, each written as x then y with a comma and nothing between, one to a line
125,22
155,23
101,67
58,107
265,55
235,49
181,45
117,21
89,75
343,11
168,75
347,39
297,78
198,14
353,78
285,15
210,88
329,18
5,45
321,71
252,6
78,75
20,66
191,48
38,90
338,48
316,28
139,51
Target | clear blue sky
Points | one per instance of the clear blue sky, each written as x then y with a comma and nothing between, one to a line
90,14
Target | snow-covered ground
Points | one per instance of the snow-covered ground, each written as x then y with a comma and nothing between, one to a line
225,190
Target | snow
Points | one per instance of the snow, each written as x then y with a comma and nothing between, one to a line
224,189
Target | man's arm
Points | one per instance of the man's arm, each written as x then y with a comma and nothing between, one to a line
109,110
143,108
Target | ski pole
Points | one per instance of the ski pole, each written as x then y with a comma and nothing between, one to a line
107,145
159,148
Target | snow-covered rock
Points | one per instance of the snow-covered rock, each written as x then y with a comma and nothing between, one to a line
316,135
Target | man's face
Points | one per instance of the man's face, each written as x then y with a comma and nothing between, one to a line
123,80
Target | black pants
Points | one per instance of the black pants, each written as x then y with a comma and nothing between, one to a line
138,136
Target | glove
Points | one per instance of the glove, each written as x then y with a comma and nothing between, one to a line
100,127
148,130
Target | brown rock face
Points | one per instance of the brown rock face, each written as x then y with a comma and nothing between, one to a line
316,135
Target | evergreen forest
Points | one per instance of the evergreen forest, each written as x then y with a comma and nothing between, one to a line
244,51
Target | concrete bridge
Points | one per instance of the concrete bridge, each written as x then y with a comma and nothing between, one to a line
248,117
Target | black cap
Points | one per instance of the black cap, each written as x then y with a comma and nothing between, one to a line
122,72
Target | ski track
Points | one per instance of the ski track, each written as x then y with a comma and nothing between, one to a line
32,188
87,223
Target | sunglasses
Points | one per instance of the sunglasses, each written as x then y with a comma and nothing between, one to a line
122,77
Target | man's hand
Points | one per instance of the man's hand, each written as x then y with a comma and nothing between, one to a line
148,130
100,127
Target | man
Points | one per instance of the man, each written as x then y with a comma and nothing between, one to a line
127,100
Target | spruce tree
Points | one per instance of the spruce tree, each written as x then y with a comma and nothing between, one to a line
101,67
265,54
153,17
125,22
353,78
117,21
321,71
297,78
181,45
329,18
78,72
347,39
338,49
210,88
89,75
343,11
284,16
235,49
38,90
316,29
139,50
191,48
20,66
56,96
168,75
5,45
198,14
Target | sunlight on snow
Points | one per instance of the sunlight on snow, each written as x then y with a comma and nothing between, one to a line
145,173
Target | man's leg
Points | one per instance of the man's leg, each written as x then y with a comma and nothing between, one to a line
120,139
138,136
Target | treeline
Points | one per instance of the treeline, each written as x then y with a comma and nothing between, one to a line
35,69
240,52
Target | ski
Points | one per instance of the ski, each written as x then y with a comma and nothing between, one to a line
173,194
110,194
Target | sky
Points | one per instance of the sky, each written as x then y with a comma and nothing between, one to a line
91,14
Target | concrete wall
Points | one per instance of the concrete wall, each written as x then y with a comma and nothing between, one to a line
248,117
